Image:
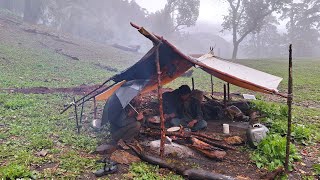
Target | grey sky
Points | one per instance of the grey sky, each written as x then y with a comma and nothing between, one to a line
210,11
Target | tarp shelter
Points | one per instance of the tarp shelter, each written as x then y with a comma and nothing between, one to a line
173,63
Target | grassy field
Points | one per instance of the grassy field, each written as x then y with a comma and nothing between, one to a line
32,123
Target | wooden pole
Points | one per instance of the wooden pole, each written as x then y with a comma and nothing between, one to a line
94,108
225,95
289,103
76,113
163,135
81,112
192,79
228,88
96,94
65,109
211,85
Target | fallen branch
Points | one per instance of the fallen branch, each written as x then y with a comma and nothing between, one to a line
59,51
207,149
220,145
273,174
187,173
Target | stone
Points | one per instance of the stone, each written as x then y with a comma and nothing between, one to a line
42,153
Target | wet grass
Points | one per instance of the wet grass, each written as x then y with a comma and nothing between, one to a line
31,123
21,67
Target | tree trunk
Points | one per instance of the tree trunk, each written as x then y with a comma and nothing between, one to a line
235,50
6,4
32,11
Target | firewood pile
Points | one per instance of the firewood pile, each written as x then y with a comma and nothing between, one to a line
209,146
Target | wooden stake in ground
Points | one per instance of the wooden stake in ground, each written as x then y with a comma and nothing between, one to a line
225,95
289,102
211,85
228,88
163,135
94,108
76,114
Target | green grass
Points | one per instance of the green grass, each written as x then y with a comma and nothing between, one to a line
144,171
26,68
31,123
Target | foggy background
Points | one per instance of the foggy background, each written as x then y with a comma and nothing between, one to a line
236,28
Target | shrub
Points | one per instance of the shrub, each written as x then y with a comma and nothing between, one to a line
15,171
271,152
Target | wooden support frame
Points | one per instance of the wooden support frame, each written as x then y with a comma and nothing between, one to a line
65,109
228,89
211,85
76,114
225,95
192,79
162,127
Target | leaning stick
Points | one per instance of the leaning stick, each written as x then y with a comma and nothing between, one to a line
86,95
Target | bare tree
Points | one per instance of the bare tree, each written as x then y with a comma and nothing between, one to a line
6,4
246,16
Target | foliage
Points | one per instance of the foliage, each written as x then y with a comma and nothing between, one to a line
303,26
144,171
15,171
271,110
73,162
316,168
184,13
277,121
271,152
176,15
245,17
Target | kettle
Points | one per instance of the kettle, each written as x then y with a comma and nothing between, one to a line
256,133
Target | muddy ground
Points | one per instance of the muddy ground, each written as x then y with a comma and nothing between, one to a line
236,163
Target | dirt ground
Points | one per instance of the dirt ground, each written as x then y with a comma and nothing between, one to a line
236,163
79,90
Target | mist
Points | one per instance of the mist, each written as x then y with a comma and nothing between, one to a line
190,24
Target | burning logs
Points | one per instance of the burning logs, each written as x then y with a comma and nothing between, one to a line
187,135
207,149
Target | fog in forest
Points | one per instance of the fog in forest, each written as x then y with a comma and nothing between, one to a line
239,29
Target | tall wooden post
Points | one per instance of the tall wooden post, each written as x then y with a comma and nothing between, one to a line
94,108
228,88
163,135
76,113
289,102
192,79
81,112
225,95
211,85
